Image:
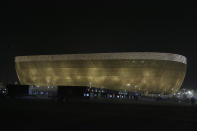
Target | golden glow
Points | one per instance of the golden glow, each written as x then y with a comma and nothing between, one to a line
134,75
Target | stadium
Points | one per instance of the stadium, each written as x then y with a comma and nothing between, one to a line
144,72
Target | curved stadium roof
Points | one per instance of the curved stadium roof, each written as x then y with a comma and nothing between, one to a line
106,56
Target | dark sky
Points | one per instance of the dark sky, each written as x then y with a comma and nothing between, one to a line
76,27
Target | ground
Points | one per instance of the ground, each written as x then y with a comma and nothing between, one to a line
41,115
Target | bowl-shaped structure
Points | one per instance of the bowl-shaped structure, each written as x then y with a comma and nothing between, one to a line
134,71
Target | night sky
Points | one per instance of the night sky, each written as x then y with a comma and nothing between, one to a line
76,27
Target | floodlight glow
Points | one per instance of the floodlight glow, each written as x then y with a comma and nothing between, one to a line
128,84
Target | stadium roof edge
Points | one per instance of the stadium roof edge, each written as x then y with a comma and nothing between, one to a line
106,56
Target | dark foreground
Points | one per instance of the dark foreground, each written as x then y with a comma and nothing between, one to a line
30,115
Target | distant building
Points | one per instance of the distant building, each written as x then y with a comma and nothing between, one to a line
2,85
3,90
144,72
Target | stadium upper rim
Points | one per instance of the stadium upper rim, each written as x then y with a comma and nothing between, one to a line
106,56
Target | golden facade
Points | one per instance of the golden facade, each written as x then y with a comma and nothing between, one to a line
142,72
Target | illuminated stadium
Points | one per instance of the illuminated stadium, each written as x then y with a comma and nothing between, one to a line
145,72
